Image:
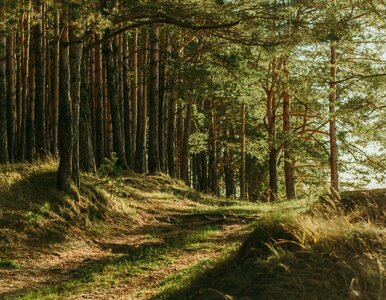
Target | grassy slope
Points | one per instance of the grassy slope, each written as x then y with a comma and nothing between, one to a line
152,237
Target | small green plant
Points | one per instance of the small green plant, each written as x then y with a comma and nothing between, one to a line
110,168
9,264
34,217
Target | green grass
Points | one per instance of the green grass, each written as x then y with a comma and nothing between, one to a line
9,264
301,249
134,262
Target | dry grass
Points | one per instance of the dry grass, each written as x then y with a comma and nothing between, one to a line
326,253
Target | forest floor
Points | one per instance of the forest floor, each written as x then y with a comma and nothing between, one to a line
151,237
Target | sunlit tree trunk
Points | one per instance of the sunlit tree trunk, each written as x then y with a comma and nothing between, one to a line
289,167
332,123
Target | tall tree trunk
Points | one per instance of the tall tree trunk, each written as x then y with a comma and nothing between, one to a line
213,172
133,49
289,167
24,108
229,173
40,133
75,68
86,155
162,100
272,145
99,113
19,87
332,123
140,157
153,148
11,95
3,101
171,138
127,104
185,144
55,87
65,115
242,146
30,131
109,49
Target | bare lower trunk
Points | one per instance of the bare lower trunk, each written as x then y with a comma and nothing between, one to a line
289,165
332,102
65,116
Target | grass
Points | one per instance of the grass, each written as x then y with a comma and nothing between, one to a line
304,256
193,246
9,264
134,262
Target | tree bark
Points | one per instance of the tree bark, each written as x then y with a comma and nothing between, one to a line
140,150
65,115
3,101
289,166
153,144
171,138
55,87
242,146
11,95
75,68
86,155
133,49
272,146
40,133
99,132
162,101
25,73
109,49
127,104
30,131
213,172
185,144
332,123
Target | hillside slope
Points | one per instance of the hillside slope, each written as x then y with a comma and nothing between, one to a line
151,237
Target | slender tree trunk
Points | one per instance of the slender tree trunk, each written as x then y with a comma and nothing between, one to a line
230,188
30,132
75,68
171,144
55,87
289,167
272,146
99,114
153,148
127,105
11,95
242,167
3,101
19,87
185,144
24,108
133,49
162,101
140,158
40,133
332,123
65,116
213,172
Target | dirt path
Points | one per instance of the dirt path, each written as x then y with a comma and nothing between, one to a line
56,267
